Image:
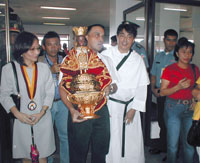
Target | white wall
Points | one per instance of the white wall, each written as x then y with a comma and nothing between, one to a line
42,29
116,16
116,12
196,34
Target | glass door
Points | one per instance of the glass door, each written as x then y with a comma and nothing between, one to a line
180,17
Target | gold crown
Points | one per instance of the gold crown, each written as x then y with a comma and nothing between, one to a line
80,31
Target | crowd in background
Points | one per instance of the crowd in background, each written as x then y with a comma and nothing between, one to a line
122,70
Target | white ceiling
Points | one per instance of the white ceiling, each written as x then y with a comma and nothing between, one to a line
88,11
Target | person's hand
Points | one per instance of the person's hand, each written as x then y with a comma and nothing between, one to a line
107,91
129,116
156,92
24,118
55,68
184,83
77,117
111,89
36,117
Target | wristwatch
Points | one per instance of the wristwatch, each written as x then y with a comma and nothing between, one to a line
111,88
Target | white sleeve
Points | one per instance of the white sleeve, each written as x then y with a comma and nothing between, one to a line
60,73
7,87
49,89
139,101
110,66
60,77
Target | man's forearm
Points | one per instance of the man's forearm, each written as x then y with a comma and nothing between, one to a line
153,82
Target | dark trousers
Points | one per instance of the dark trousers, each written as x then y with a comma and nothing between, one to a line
162,145
5,137
94,131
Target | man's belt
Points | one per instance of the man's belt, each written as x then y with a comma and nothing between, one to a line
58,99
124,123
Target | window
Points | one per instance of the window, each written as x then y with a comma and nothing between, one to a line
64,38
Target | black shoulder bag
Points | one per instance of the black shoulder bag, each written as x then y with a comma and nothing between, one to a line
16,98
193,137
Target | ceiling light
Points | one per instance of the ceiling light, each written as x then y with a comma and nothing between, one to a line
140,18
174,9
57,8
62,18
2,4
54,24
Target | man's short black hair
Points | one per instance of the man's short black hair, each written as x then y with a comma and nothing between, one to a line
170,32
94,25
114,38
183,42
129,27
50,34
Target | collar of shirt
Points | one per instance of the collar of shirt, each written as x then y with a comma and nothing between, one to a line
50,62
121,55
171,52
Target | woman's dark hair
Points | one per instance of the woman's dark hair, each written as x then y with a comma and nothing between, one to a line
183,42
23,43
130,28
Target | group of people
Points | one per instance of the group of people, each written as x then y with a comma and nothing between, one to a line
173,79
116,135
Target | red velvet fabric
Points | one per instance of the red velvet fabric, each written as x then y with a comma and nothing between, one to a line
70,68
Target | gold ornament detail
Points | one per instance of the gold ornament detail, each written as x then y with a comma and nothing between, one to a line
80,31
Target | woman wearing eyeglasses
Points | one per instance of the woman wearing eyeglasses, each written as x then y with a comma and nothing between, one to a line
37,92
